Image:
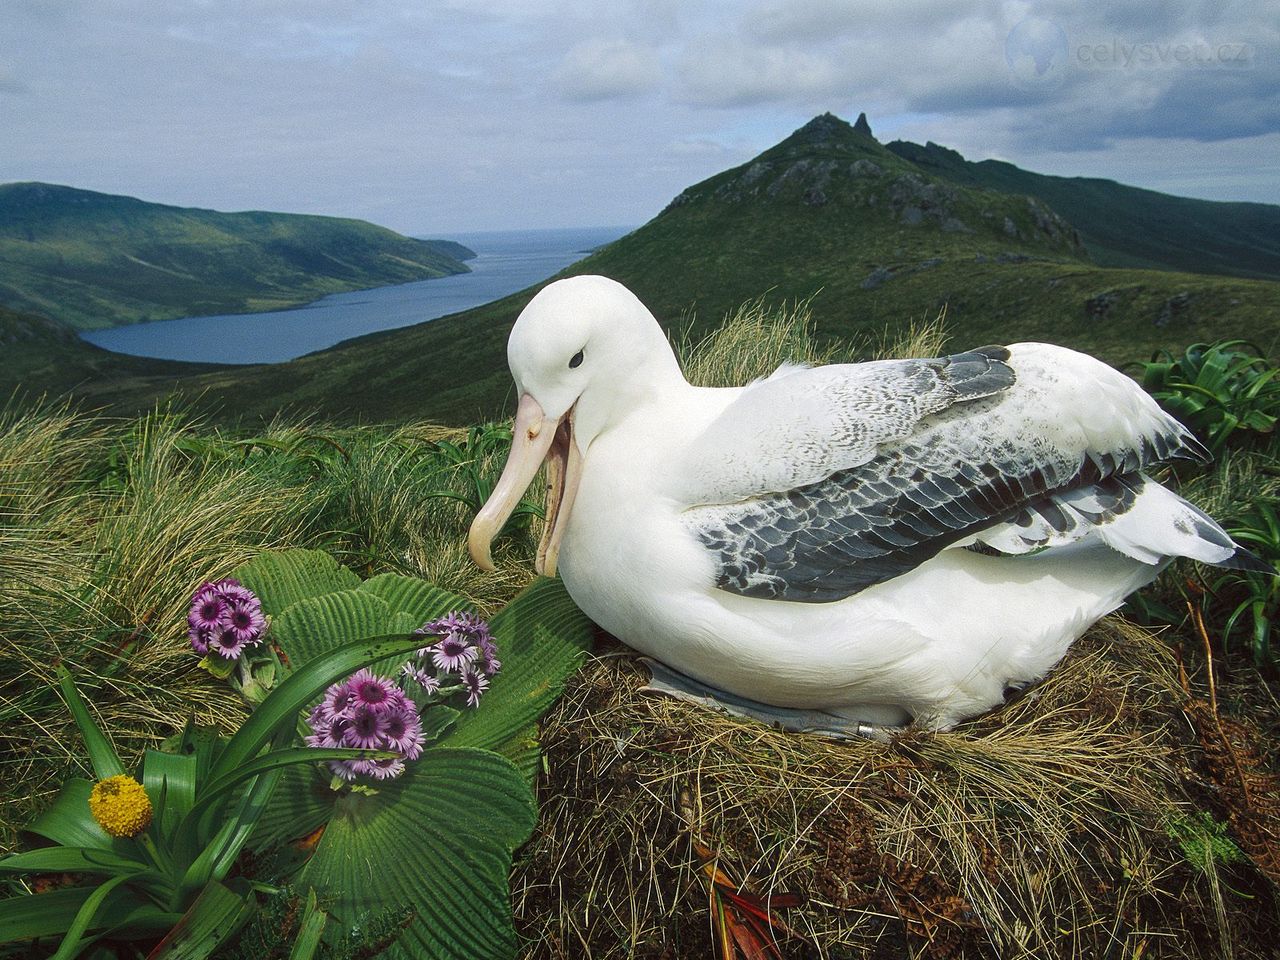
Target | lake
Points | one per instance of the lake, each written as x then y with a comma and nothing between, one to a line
506,261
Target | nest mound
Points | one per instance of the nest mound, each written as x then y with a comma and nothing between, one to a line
1108,811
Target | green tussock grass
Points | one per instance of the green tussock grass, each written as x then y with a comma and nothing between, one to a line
107,526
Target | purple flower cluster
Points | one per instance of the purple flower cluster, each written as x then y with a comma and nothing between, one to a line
225,619
367,712
465,649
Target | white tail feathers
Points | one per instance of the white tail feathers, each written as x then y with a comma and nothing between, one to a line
1161,525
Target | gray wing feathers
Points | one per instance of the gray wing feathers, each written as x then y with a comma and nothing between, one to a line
828,419
944,478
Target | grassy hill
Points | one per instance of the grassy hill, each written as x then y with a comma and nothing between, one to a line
96,260
875,240
1125,226
43,357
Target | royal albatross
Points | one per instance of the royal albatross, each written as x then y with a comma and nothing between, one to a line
871,543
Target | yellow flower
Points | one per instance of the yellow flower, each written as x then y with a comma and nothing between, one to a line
121,806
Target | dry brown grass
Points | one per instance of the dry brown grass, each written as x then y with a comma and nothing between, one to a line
1038,831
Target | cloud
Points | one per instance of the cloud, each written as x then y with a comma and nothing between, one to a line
606,70
492,113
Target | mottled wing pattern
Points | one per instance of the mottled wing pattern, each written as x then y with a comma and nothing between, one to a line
816,421
956,473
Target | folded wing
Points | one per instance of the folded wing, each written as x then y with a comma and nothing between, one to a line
821,483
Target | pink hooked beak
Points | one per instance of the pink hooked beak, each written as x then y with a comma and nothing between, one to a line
534,438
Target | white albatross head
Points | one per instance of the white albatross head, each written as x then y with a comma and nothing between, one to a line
583,352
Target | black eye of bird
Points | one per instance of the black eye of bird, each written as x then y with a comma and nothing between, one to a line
576,361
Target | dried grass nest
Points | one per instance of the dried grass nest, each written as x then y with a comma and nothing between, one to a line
1107,812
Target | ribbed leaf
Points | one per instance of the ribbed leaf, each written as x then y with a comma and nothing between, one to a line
281,579
422,600
436,841
317,624
542,637
302,803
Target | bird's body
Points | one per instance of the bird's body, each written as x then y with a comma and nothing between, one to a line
885,542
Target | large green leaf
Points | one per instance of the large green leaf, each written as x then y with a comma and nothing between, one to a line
170,782
316,625
438,842
302,803
422,600
542,637
281,579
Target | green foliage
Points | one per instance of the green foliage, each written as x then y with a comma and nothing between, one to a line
473,463
1204,841
1228,393
206,800
434,845
1225,392
107,526
283,927
438,839
1253,599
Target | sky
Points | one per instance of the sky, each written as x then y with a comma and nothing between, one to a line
439,116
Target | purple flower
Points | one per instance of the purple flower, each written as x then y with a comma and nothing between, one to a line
367,712
403,733
225,617
383,769
475,683
346,769
426,681
366,728
371,690
246,621
339,699
452,653
226,644
200,637
457,621
209,611
233,590
489,661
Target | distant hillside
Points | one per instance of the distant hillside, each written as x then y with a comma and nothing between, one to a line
829,214
43,357
1126,226
96,260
